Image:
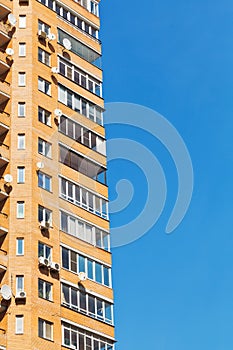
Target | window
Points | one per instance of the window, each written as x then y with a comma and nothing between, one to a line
80,105
44,116
44,215
19,246
19,321
45,329
44,181
21,141
21,109
71,17
45,251
19,283
22,21
82,135
20,210
75,336
81,49
86,303
20,174
79,77
43,56
44,27
85,166
22,49
44,148
44,290
95,271
84,231
44,86
83,198
21,79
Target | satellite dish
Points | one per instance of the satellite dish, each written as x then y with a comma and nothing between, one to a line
82,276
40,165
6,292
67,44
51,36
9,51
12,20
58,112
54,70
8,178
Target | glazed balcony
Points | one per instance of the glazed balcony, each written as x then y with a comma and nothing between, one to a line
4,91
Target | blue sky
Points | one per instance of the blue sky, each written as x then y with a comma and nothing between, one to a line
175,291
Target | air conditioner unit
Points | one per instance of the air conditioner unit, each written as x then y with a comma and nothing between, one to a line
43,261
21,295
55,266
44,225
42,34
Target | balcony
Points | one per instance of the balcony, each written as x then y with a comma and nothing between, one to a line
4,66
4,91
4,119
4,10
4,33
3,261
3,128
3,231
3,160
4,223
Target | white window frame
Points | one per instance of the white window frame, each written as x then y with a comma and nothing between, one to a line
46,248
19,324
19,283
46,116
44,86
22,79
44,27
46,148
21,174
22,21
20,214
45,213
22,49
21,109
21,141
43,177
44,286
44,54
19,239
44,324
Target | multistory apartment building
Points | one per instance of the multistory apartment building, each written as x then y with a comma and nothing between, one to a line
55,261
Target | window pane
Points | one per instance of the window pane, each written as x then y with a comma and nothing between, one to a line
64,222
65,258
81,264
98,272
